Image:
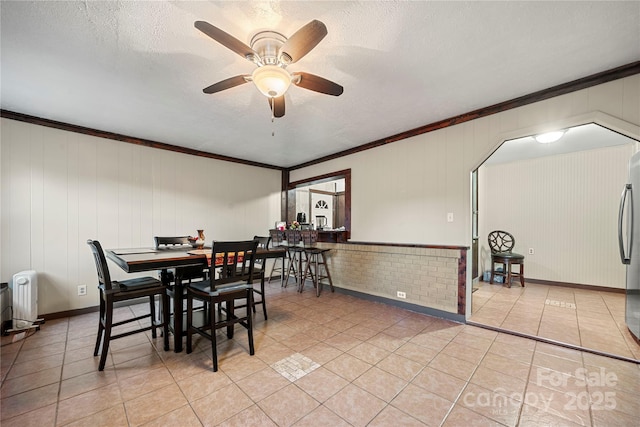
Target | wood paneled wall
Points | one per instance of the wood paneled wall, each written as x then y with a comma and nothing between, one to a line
402,192
61,188
565,208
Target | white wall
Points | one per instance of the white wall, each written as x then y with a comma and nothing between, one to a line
564,207
402,192
61,188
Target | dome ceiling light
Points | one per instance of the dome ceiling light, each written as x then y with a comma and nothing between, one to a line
549,137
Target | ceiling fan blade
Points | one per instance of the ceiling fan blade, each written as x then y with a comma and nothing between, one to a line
226,84
277,106
301,43
317,84
226,40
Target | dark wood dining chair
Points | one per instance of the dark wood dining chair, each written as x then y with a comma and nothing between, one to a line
315,262
171,241
112,291
277,242
186,275
230,280
259,274
501,244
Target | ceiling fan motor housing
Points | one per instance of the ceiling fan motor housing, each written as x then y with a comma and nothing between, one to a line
267,44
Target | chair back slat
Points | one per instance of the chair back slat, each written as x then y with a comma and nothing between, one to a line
104,277
309,237
294,237
277,237
237,262
171,241
263,242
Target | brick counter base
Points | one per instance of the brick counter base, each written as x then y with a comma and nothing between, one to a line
430,277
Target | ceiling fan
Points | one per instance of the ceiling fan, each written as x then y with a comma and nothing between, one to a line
272,53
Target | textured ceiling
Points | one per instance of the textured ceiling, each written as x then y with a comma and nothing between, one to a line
138,68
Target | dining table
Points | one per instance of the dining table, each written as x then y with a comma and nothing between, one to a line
135,260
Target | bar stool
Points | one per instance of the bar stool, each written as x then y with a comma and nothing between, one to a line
277,241
501,244
315,262
295,252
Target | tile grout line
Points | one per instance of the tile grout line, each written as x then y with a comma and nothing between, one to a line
466,329
467,382
64,355
493,341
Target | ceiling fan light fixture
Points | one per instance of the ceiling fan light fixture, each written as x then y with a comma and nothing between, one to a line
271,80
272,52
546,138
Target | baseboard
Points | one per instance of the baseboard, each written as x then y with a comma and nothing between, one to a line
86,310
570,285
577,286
459,318
454,317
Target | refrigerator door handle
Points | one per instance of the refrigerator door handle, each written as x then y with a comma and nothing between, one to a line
623,198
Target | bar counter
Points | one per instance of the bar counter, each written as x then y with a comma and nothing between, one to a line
333,236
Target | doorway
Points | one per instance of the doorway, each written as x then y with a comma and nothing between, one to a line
560,202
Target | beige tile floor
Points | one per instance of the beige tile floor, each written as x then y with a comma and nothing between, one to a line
580,317
365,363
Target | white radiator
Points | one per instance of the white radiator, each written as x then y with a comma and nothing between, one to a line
25,299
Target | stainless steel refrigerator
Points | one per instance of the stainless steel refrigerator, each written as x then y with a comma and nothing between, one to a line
629,240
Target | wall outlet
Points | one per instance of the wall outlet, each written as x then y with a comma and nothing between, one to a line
402,294
82,290
450,217
530,251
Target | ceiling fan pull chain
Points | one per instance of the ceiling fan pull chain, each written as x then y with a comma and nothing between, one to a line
272,100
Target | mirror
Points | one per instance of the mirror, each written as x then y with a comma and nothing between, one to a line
560,201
